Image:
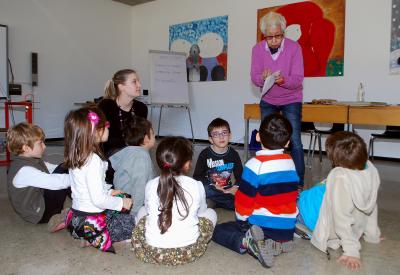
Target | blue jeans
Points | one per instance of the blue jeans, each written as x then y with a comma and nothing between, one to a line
221,199
292,112
230,234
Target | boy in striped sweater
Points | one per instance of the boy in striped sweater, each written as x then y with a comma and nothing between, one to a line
266,199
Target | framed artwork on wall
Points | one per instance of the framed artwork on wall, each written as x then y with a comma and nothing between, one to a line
395,38
205,43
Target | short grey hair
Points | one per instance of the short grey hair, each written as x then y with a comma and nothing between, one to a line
272,19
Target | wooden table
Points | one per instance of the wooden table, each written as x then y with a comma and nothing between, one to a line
375,115
347,114
310,113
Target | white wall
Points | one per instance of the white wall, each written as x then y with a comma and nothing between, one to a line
80,44
366,59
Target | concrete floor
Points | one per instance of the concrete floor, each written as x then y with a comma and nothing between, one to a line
30,249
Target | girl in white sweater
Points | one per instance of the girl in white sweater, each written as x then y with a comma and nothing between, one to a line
175,225
344,209
95,215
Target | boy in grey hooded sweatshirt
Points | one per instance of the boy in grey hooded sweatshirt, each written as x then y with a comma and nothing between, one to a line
348,210
133,165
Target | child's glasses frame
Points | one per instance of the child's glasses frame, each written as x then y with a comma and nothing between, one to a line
220,134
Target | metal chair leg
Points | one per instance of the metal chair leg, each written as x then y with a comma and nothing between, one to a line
369,148
372,147
308,161
320,148
313,150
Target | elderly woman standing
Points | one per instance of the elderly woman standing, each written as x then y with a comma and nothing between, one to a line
120,106
283,58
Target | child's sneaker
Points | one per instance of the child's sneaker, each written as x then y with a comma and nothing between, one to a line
57,221
254,242
277,248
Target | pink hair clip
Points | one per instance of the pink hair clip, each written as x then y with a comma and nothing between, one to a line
167,165
93,118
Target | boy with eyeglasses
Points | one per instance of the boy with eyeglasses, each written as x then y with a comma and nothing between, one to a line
216,164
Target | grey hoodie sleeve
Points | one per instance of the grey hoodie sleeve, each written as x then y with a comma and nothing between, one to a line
342,208
372,233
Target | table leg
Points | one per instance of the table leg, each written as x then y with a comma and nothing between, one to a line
246,140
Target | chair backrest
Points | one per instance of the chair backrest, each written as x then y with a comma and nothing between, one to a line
392,129
337,127
307,126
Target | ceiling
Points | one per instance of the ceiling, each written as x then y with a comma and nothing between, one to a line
133,2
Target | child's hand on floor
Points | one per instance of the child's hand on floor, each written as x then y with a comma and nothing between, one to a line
351,263
126,203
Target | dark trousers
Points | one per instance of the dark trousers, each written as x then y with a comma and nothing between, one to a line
222,200
230,234
54,199
292,112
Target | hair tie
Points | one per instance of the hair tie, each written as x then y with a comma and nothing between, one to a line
167,165
93,118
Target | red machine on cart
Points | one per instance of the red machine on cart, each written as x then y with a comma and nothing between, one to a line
28,118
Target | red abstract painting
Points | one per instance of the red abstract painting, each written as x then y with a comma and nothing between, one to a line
318,26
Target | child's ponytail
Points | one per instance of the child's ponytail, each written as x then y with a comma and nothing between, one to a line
109,90
169,190
172,154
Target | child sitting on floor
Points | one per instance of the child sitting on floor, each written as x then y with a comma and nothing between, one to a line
36,195
133,165
266,198
175,225
344,209
218,164
91,218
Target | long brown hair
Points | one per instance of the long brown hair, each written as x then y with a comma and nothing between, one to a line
111,89
172,154
347,150
81,139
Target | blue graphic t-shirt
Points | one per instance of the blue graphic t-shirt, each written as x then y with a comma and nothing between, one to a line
214,168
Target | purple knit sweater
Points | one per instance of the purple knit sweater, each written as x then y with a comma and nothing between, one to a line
289,62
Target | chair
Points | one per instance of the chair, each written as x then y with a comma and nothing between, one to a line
391,133
309,128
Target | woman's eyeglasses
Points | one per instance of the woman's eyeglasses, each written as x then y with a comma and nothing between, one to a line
276,36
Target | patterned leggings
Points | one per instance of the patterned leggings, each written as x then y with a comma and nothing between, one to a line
171,256
102,229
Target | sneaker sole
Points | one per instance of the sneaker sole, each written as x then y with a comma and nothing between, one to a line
265,256
278,248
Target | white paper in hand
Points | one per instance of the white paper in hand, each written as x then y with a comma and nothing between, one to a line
269,82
